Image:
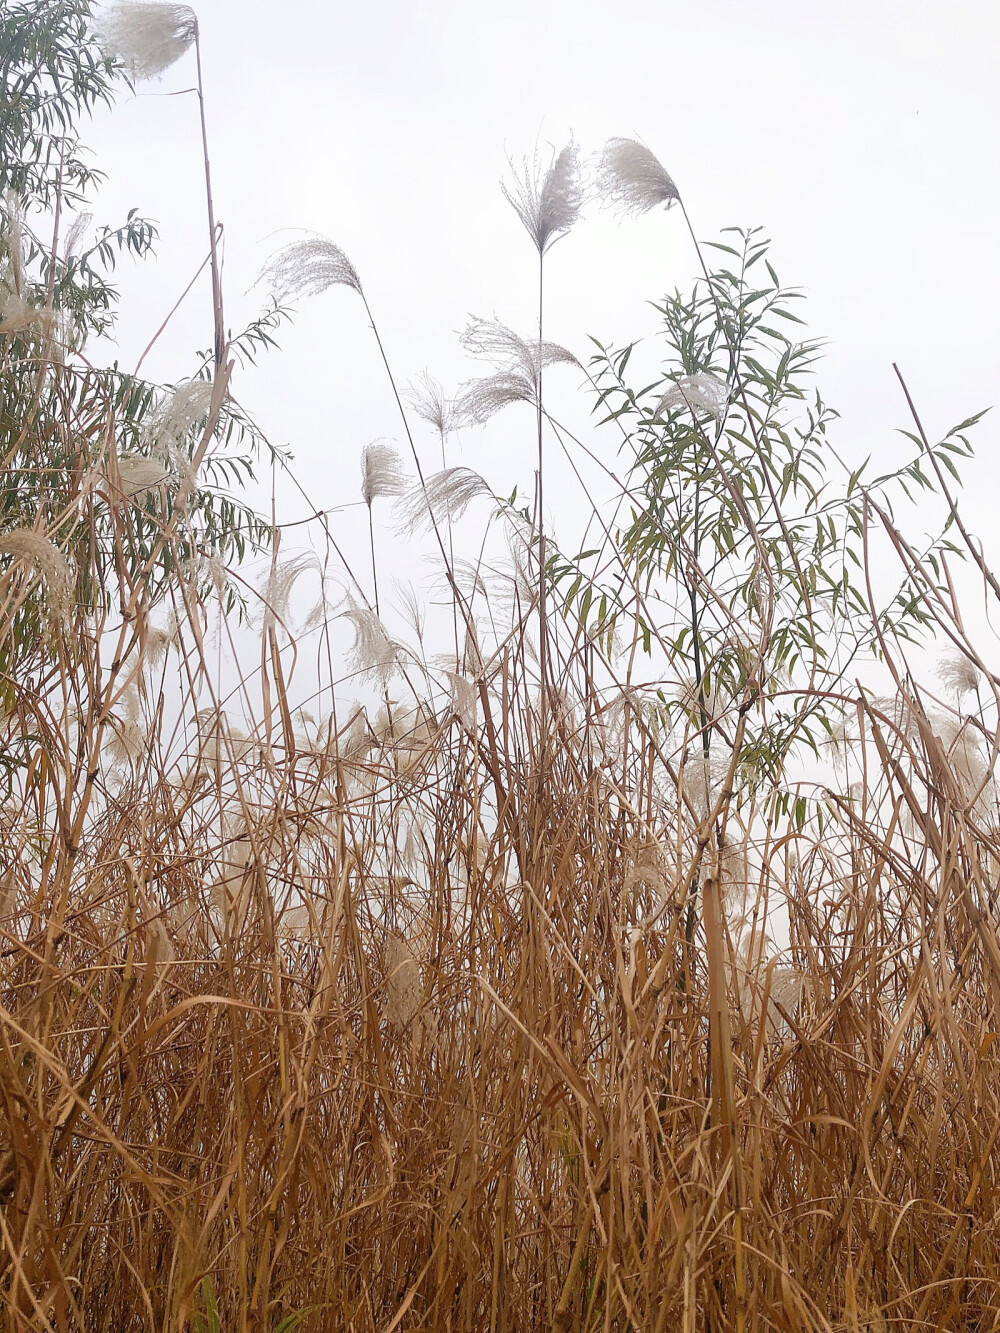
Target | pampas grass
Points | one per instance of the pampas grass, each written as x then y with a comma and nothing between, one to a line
308,268
147,36
632,180
548,199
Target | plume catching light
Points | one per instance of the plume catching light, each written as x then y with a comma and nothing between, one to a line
632,179
374,653
381,472
443,498
700,393
146,37
547,200
518,369
140,475
308,268
32,549
427,398
958,674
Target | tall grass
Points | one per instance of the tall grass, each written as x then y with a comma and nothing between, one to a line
520,997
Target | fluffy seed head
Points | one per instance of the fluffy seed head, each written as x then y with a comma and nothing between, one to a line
16,314
146,36
957,673
374,653
427,398
699,393
309,267
381,472
181,411
281,579
547,200
140,475
519,365
632,179
32,549
443,498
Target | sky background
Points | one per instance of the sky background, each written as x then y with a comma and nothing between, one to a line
861,136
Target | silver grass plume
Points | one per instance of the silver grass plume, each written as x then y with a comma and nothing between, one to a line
76,233
140,475
699,393
281,579
374,653
442,498
411,608
519,365
181,411
146,37
547,200
958,674
427,398
381,472
632,179
31,548
494,342
17,314
308,268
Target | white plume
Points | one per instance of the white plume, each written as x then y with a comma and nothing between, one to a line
700,392
443,498
308,268
633,179
547,200
381,472
146,37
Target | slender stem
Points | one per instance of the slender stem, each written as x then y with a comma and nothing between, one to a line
371,538
539,506
220,333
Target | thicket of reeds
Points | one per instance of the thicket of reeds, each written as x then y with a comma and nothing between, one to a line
621,956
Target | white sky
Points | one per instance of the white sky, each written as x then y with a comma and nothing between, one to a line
861,135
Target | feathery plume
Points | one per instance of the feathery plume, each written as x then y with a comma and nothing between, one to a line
127,734
373,653
76,232
700,392
632,179
281,579
381,472
519,365
160,640
958,674
464,699
505,350
411,608
146,36
548,201
479,400
308,268
32,548
181,411
140,475
427,398
16,314
443,498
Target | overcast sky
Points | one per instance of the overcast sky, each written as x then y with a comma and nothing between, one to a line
861,134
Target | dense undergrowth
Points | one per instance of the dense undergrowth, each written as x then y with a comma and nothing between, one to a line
616,960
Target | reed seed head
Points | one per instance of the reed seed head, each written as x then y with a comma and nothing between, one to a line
632,179
381,472
308,268
146,36
548,199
